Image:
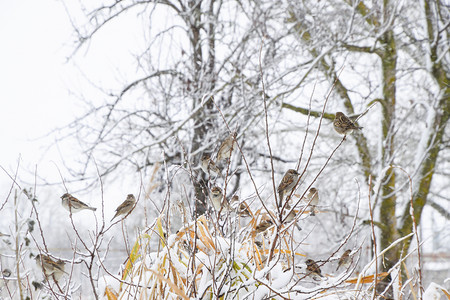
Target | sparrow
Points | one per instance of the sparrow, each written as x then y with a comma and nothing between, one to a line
313,199
234,199
71,203
6,272
260,249
259,244
287,184
226,147
313,268
209,166
125,207
49,266
243,208
216,197
345,259
343,125
291,215
263,226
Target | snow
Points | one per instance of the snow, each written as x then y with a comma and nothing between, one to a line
108,281
434,292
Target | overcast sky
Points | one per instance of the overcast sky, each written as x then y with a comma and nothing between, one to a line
37,81
34,94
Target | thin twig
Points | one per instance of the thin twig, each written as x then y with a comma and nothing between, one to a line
266,123
245,162
307,127
416,233
312,150
374,241
14,181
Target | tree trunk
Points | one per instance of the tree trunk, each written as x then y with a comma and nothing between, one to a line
389,232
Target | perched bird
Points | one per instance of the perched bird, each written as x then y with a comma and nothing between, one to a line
234,199
343,125
313,268
216,197
287,184
49,266
71,203
313,199
291,215
6,272
345,259
226,147
259,252
243,209
209,166
263,226
125,207
259,244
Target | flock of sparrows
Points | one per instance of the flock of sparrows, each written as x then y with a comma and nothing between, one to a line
342,125
209,166
55,268
285,188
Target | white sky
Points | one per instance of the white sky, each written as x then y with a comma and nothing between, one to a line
36,79
34,98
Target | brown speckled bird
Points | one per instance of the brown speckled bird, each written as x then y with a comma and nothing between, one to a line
313,199
243,209
345,259
125,207
313,268
209,166
263,226
291,216
71,203
216,197
287,184
49,266
227,146
343,125
234,199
